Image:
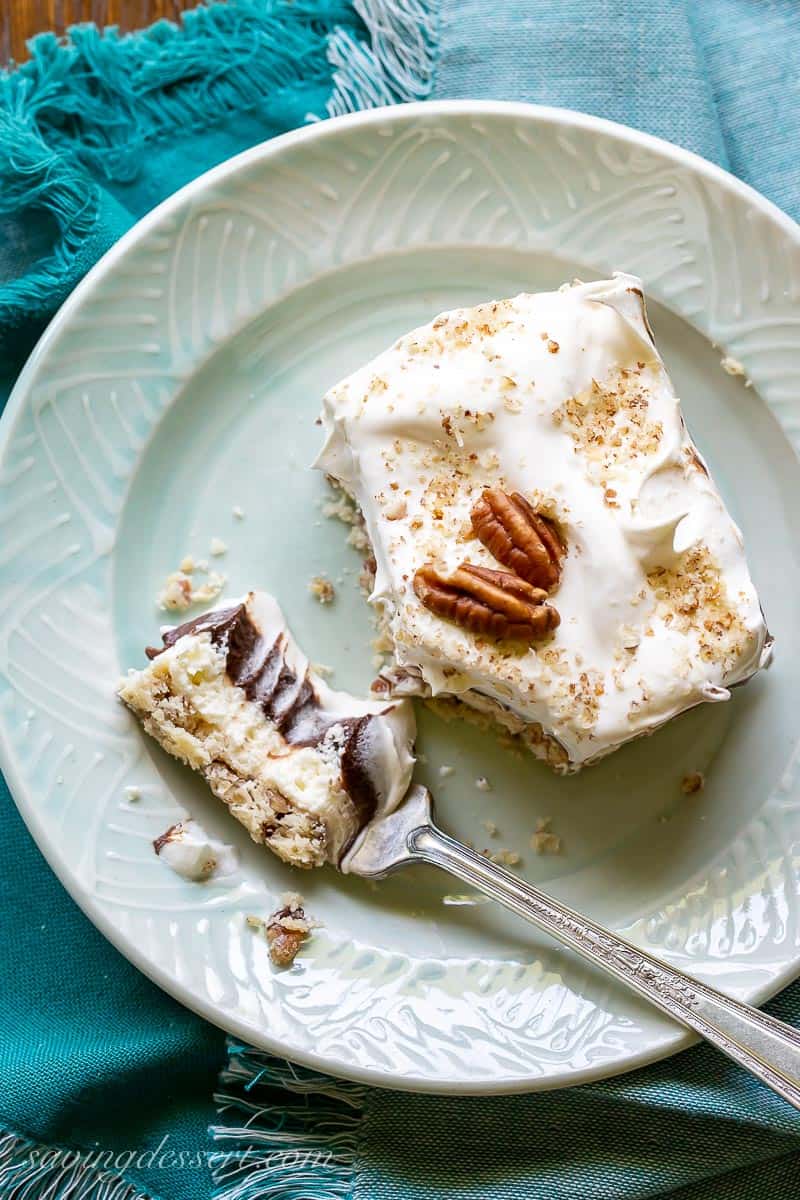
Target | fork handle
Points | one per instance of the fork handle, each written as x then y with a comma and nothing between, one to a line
766,1047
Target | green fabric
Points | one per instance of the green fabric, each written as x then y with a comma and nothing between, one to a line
93,1056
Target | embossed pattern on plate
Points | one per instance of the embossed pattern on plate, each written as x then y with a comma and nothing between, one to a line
113,437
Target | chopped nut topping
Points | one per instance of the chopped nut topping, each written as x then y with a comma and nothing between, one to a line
610,423
396,510
456,331
691,592
286,930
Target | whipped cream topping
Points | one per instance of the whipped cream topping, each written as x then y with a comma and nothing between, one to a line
194,854
563,397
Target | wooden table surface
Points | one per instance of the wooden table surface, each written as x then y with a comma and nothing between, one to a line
21,19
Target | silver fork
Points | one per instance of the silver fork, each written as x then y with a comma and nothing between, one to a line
766,1047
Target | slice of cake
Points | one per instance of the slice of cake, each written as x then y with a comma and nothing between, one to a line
549,547
303,767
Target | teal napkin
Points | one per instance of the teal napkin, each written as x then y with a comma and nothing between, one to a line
94,1058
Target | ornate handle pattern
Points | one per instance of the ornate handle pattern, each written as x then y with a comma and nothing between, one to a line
764,1046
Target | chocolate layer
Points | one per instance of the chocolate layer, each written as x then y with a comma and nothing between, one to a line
260,669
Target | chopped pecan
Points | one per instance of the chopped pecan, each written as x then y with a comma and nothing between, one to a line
286,931
492,603
519,537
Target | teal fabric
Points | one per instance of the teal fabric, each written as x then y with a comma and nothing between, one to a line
95,134
92,136
720,77
92,1055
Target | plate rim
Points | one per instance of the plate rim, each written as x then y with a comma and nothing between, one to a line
263,152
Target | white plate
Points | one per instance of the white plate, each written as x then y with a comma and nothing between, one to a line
182,378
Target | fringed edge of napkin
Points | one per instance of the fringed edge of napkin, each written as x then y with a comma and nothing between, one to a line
35,176
399,64
36,1172
285,1132
123,93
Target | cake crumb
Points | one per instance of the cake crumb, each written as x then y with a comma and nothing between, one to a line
503,858
357,538
543,840
490,828
483,784
210,589
342,508
322,589
238,512
217,547
445,771
732,366
382,642
694,782
179,591
132,794
187,564
286,929
546,843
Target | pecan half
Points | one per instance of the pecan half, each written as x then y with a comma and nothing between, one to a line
519,537
483,601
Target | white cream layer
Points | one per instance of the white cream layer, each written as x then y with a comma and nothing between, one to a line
194,854
308,776
563,397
